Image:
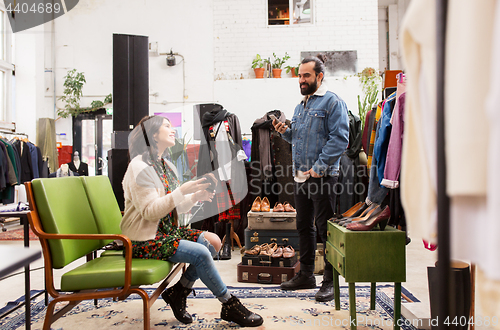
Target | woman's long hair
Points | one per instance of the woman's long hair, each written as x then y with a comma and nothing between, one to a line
141,140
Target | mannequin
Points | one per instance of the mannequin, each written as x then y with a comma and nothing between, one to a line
77,166
221,154
63,171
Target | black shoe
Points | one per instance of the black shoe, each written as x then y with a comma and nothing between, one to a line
325,293
300,281
225,253
176,296
234,311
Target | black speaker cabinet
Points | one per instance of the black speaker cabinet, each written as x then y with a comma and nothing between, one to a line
130,101
117,164
130,81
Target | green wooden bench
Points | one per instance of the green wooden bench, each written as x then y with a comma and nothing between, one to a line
74,217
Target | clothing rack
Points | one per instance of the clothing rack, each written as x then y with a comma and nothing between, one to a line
13,133
443,202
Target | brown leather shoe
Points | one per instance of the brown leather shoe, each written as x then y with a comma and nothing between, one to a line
288,252
253,251
265,206
352,210
263,247
278,253
278,207
268,249
288,207
272,248
256,204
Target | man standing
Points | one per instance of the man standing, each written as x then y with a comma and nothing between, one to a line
319,134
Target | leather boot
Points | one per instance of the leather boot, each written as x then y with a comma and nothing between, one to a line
176,296
225,253
301,280
326,292
234,311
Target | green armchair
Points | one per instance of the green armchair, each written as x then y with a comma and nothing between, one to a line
74,217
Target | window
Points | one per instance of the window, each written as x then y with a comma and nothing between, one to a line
278,12
6,66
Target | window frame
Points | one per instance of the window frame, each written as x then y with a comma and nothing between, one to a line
6,66
291,9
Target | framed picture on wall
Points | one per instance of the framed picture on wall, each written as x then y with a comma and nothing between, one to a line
339,63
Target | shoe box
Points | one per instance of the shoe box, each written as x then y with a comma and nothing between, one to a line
271,220
281,237
266,274
268,261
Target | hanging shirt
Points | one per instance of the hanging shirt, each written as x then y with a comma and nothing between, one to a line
393,159
223,140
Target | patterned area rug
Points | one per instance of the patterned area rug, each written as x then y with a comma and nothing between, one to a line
280,310
16,235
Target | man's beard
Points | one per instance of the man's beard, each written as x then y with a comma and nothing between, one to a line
309,88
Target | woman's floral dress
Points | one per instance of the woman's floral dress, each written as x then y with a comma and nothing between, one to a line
164,245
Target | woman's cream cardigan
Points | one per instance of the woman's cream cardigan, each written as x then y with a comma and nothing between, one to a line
146,202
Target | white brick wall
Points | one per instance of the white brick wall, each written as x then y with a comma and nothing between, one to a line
241,32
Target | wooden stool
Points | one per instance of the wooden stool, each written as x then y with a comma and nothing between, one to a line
234,236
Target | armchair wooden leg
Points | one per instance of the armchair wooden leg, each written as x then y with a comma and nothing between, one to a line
145,307
49,314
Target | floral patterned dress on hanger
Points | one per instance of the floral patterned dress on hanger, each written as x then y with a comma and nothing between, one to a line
168,235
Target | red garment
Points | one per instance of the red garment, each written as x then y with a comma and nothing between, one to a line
226,212
192,151
364,139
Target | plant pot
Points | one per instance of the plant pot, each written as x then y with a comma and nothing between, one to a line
259,72
276,73
294,75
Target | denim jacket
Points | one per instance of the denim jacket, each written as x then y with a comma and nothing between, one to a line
319,133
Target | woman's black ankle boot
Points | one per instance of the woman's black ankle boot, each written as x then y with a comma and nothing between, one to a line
176,296
234,311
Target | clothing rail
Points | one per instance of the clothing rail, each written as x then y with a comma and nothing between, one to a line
443,203
13,133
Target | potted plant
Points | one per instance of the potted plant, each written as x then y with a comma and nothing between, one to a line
293,69
73,85
370,81
278,63
258,66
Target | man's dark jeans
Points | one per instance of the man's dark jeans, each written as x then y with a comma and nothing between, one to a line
312,202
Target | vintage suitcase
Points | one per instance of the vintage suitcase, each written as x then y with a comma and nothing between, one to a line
266,275
272,220
281,237
268,261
